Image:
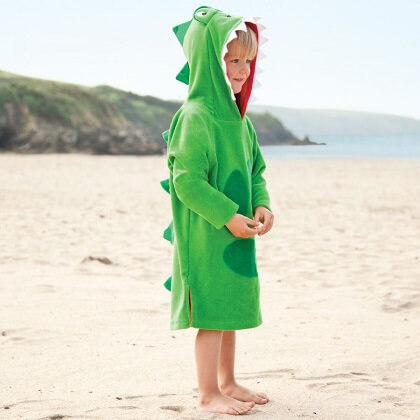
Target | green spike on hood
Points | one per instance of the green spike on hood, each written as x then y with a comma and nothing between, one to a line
180,30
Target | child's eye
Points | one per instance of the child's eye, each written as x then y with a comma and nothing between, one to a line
236,60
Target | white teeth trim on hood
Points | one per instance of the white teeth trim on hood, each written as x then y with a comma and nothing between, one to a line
263,40
261,27
256,84
241,26
252,98
260,54
258,70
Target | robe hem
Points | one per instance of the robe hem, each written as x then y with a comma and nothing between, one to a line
211,325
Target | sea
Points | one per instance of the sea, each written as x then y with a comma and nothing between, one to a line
351,146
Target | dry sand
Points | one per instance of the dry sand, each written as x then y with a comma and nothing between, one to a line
340,293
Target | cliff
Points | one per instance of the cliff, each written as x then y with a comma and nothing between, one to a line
43,116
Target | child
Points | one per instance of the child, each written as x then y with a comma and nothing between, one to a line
218,199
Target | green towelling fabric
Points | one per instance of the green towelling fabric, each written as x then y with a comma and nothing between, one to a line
215,170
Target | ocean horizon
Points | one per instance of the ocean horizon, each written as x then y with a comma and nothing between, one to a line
352,146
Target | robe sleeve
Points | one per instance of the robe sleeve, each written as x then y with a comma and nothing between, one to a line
188,156
260,196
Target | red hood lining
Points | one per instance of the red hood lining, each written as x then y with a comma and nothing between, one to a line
243,96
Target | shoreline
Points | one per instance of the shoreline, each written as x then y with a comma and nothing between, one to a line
265,154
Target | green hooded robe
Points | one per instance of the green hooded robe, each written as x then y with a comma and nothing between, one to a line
215,170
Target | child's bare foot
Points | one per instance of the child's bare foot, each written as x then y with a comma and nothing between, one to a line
241,393
219,403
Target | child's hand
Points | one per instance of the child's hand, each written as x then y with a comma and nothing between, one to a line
238,225
263,215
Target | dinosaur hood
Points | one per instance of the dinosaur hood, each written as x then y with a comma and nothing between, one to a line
204,39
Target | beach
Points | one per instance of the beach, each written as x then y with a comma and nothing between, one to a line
84,316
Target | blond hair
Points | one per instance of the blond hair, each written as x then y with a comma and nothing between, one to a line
246,45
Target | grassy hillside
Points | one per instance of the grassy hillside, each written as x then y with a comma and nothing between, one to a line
62,103
39,115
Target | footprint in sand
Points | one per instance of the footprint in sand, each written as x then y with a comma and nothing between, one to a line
276,373
46,288
401,300
10,335
176,408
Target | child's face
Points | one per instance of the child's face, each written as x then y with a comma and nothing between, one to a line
237,69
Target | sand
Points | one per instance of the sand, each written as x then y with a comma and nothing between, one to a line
90,339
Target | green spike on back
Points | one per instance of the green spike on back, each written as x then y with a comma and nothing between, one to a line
165,135
168,283
180,30
184,75
168,233
165,185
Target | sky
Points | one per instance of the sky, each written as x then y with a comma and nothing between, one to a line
359,55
